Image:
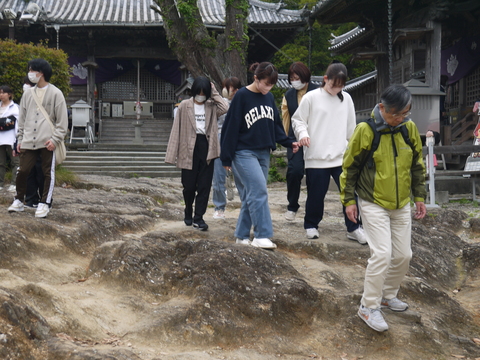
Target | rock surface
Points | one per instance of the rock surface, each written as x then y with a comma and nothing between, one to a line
113,273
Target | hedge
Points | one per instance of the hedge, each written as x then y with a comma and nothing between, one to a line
14,58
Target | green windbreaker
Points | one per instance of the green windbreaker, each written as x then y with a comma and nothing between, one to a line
397,170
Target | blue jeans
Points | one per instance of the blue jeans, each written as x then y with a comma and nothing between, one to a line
219,176
250,169
318,181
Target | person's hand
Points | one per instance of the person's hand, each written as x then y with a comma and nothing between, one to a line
50,145
421,210
352,212
19,148
304,141
295,147
228,168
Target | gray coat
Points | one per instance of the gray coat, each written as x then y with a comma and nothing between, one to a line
184,131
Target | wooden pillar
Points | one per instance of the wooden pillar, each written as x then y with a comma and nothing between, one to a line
434,47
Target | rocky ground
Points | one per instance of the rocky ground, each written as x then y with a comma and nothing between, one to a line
113,273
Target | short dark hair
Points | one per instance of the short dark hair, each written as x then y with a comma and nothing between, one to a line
201,83
42,66
7,90
301,70
232,82
265,70
396,97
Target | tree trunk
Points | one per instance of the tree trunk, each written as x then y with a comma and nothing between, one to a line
202,54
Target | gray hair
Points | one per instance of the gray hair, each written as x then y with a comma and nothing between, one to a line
396,97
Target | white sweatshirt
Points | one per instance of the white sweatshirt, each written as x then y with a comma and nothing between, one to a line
329,123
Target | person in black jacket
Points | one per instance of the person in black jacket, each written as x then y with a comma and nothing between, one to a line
299,77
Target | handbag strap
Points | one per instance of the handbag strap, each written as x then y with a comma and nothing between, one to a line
42,109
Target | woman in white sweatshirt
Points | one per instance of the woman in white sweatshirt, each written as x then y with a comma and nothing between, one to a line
324,122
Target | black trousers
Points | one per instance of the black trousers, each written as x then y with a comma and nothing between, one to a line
198,181
295,172
35,183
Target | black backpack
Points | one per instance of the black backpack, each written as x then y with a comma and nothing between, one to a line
376,140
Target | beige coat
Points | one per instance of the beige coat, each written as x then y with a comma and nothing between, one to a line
184,131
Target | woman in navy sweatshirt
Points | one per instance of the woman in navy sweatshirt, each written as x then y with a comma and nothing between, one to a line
251,130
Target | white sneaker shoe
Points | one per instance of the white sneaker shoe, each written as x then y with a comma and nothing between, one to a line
42,210
358,235
290,215
16,206
263,243
219,214
12,188
373,318
394,304
312,233
243,241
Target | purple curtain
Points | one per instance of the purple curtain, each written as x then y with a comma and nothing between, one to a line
461,59
168,70
109,69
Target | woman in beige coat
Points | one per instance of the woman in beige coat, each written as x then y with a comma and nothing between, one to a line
193,145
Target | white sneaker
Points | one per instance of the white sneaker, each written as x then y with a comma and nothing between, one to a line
12,188
373,318
394,304
42,210
243,241
358,235
290,215
16,206
263,243
219,214
312,233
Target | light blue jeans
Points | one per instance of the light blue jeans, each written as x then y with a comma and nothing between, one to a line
219,177
250,169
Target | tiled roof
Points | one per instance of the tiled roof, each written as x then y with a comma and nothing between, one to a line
283,81
139,13
360,81
349,39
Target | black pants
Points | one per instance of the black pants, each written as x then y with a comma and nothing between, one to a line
35,184
295,172
198,181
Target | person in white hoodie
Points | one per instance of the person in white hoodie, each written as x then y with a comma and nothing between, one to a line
8,133
323,123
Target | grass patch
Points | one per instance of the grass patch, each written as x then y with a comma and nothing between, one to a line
64,176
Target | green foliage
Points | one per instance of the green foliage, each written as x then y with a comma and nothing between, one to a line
65,177
274,175
15,57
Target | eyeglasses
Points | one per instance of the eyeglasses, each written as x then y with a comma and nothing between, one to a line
404,115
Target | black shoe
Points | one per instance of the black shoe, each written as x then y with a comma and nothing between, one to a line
31,205
188,222
200,225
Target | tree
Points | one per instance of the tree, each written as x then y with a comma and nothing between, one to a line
15,57
215,55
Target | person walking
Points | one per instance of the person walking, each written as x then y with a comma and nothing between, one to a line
384,185
8,132
299,77
40,107
323,123
251,130
193,145
230,87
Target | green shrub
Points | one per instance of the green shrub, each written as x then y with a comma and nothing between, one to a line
15,57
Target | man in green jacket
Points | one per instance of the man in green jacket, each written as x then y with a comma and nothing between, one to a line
383,187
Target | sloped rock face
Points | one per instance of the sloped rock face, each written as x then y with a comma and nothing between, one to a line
234,292
113,273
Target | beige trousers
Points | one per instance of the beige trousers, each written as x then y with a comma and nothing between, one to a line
389,237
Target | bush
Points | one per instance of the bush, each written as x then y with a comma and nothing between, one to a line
15,57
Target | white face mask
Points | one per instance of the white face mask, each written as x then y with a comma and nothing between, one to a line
32,76
298,84
200,98
26,87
